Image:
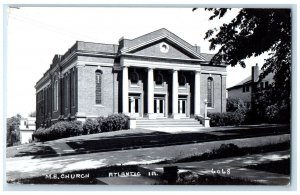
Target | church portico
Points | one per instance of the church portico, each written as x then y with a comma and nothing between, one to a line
165,92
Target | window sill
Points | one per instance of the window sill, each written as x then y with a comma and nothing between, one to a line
99,105
135,86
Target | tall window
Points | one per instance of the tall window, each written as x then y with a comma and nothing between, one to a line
134,77
67,91
46,99
159,79
98,80
182,80
210,92
55,95
73,88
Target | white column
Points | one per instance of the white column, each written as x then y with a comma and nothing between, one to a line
132,105
151,114
175,95
125,90
197,102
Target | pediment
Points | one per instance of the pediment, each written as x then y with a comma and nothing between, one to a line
164,49
161,43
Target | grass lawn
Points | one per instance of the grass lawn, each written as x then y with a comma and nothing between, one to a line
230,150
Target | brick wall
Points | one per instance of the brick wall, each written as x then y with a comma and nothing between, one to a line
219,92
86,92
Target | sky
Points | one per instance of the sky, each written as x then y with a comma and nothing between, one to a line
36,34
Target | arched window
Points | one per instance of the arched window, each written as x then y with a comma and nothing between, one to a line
159,79
210,87
182,80
73,88
67,90
134,77
98,82
55,95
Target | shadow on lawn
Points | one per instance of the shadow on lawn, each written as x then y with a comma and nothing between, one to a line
37,150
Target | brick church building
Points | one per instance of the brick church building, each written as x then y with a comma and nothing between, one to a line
156,75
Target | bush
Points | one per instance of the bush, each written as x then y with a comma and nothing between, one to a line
226,118
59,130
65,129
234,104
100,121
91,126
114,122
38,134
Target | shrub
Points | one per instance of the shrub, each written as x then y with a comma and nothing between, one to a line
38,134
59,130
74,128
226,118
100,120
65,129
114,122
91,126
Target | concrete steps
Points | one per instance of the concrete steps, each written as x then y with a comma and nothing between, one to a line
167,122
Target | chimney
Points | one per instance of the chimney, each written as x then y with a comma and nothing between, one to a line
255,73
197,48
121,42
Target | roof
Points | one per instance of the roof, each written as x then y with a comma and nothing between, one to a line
207,56
244,81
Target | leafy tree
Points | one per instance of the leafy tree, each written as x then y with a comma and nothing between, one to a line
251,33
13,136
234,104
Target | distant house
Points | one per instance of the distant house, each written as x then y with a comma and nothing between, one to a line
244,89
27,127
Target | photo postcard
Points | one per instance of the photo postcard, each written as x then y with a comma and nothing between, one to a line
148,95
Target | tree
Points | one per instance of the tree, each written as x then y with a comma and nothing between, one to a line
13,130
251,33
233,104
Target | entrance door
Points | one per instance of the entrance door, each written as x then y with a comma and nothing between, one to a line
182,107
159,106
134,106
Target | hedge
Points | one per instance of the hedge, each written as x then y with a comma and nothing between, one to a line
226,118
59,130
65,129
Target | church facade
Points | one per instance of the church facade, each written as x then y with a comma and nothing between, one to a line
156,75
